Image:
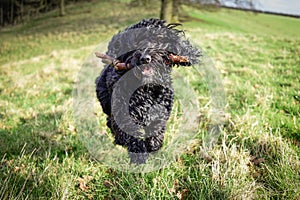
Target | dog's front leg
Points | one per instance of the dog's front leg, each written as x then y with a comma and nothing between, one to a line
132,139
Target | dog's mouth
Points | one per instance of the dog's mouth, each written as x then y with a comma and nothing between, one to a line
148,71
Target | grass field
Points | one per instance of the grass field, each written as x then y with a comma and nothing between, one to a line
256,157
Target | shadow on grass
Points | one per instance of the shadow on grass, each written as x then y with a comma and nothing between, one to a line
33,154
39,134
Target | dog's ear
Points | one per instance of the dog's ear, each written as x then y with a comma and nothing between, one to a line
178,60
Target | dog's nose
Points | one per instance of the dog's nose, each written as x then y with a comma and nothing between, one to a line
146,59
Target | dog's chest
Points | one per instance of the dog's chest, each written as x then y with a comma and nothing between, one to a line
150,103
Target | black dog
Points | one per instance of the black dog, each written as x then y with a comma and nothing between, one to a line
135,89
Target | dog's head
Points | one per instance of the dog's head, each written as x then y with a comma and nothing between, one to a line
151,48
149,65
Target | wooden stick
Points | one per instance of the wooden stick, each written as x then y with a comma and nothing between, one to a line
105,58
121,66
178,59
112,61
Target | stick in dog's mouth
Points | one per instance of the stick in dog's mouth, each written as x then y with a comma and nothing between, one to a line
173,59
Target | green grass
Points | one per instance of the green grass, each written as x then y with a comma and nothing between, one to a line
256,157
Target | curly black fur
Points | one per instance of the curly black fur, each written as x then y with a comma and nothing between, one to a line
146,47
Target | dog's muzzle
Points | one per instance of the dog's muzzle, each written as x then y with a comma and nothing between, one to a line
146,70
146,59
